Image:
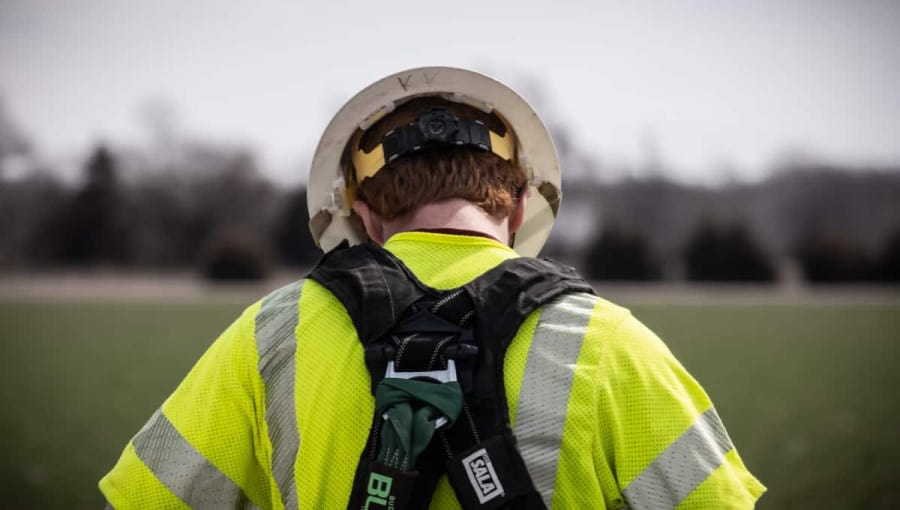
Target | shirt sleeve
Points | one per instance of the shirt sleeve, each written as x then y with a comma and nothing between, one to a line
205,447
662,437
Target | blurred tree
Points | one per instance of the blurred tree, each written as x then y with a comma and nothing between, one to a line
159,117
889,262
657,209
90,228
293,241
619,255
236,254
829,257
28,208
159,222
179,210
801,203
726,253
13,142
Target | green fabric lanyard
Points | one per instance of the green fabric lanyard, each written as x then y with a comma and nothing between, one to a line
411,409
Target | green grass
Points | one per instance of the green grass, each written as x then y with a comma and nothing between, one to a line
809,393
78,381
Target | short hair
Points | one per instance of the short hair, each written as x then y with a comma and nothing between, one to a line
412,181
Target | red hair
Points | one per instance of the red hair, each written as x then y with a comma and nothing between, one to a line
415,180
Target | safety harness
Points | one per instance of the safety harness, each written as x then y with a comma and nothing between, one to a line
436,363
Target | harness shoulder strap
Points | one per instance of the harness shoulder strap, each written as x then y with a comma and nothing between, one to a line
373,285
504,296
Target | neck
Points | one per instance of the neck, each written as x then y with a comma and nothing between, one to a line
451,214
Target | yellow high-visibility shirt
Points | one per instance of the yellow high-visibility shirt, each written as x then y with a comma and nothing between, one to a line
277,411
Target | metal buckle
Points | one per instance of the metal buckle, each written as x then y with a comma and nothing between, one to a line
442,376
438,376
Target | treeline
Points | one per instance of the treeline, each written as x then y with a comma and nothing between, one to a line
208,207
813,223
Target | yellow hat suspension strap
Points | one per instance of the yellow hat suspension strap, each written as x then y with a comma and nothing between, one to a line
434,128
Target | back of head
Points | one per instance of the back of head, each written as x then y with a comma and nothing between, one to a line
442,172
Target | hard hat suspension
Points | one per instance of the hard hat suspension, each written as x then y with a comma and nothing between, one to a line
433,128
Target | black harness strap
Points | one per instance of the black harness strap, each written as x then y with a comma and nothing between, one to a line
401,320
358,276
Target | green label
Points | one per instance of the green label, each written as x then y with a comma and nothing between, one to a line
379,490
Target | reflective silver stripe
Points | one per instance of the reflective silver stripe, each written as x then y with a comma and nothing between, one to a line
682,467
276,343
184,470
544,396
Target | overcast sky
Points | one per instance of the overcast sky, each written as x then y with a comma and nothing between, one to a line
703,84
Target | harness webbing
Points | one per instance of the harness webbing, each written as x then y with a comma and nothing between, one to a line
411,331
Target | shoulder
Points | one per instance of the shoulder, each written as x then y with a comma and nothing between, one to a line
612,324
600,317
274,318
613,335
283,296
635,365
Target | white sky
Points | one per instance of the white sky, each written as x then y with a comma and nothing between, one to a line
705,84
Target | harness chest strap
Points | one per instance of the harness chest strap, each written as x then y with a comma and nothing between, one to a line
409,327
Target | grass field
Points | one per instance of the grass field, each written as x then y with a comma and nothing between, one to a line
809,391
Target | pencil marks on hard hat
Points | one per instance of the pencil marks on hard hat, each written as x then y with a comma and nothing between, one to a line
405,81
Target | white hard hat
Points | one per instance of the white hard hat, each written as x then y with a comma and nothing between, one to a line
332,219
